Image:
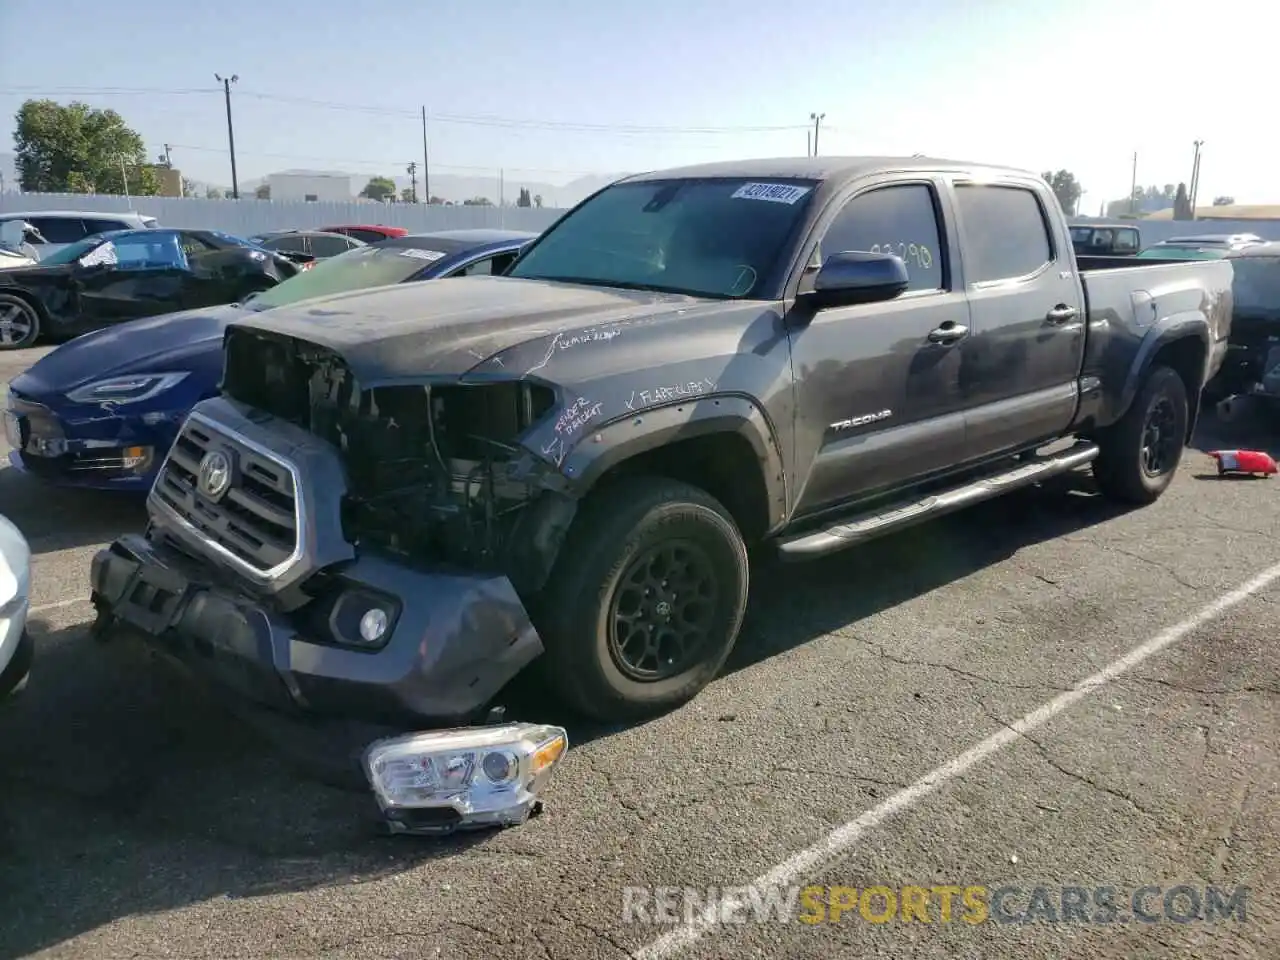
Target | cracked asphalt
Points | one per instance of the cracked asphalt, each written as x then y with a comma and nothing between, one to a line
138,819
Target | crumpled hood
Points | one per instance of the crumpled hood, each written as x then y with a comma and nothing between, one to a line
171,341
447,327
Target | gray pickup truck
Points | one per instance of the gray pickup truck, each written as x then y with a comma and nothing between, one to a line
406,496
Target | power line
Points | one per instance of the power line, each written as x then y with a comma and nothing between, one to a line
481,120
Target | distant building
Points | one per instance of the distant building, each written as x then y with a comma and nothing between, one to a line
313,185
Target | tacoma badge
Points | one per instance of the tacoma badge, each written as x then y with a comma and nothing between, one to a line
862,420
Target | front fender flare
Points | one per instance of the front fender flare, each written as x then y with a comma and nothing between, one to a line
653,427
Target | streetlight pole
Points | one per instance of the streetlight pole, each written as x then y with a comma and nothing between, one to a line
231,134
817,119
1195,177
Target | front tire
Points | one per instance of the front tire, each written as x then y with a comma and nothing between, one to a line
19,323
1140,453
646,600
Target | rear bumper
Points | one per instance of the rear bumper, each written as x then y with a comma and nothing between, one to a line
457,639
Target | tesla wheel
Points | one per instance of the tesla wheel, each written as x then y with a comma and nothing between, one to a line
19,323
1140,454
645,603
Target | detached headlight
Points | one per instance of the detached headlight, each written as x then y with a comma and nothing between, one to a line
463,779
128,389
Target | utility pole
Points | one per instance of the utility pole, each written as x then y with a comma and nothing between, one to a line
413,181
124,177
426,175
1133,185
808,143
817,119
231,134
1194,188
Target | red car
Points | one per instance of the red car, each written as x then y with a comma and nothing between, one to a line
369,233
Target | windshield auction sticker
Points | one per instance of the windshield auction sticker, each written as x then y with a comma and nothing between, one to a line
773,192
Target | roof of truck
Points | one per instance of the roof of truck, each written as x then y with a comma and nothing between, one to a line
819,168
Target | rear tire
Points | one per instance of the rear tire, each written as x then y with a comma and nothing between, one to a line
646,600
19,323
1140,453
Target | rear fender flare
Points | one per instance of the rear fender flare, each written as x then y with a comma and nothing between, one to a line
1168,330
653,427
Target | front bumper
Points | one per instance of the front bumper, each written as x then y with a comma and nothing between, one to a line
458,638
88,446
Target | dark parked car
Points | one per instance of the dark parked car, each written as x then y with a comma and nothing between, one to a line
99,411
129,274
1091,240
1252,365
306,246
405,496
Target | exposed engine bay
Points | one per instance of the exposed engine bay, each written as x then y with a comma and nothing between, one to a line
434,470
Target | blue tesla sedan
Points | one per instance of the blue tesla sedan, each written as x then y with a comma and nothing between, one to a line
101,411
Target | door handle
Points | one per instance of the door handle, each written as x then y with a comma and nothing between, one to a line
1062,313
948,333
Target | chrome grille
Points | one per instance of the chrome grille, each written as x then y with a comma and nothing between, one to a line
255,520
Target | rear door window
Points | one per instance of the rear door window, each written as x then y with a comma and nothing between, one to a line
1006,233
322,246
60,229
368,236
103,225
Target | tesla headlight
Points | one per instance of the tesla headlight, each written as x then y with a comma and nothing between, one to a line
463,779
127,389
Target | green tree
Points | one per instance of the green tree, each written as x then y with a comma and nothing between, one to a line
1182,204
212,193
1066,188
439,201
524,200
263,191
379,188
537,200
77,149
406,195
478,202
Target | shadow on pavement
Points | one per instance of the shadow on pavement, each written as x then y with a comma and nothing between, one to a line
58,519
124,792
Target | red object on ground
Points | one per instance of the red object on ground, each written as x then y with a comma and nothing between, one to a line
368,232
1244,461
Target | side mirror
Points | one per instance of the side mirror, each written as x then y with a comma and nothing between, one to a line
852,277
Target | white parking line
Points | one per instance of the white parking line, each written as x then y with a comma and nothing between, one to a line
57,604
842,838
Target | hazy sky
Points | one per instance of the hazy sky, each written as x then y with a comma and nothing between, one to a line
551,89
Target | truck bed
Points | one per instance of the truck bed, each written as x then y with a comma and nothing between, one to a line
1126,297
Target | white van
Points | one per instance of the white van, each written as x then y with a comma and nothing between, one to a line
61,227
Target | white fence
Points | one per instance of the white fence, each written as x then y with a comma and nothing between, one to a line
246,217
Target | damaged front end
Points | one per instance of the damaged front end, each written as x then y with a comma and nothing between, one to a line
435,470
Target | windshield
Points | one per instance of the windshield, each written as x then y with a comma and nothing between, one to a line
709,238
72,251
356,269
1256,284
1174,252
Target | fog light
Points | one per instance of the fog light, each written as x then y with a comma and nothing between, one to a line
373,625
135,458
463,779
